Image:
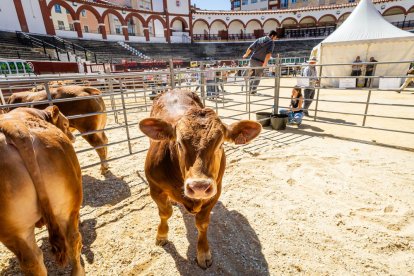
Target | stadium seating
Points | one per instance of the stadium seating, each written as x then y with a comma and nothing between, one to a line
12,48
112,52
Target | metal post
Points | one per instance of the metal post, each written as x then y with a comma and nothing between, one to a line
44,46
86,55
276,93
319,79
172,76
57,53
49,96
368,99
125,116
2,101
202,83
113,104
96,60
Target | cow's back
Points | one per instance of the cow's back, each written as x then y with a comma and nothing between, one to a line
60,171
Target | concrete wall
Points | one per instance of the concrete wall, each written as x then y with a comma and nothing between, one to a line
183,7
34,16
8,16
256,6
158,5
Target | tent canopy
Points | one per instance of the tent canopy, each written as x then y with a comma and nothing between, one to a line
365,33
366,23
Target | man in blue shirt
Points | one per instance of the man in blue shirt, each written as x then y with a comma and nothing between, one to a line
261,51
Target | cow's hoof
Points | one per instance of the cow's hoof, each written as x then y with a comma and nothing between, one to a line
104,168
204,259
161,241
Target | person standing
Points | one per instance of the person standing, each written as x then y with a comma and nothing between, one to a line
356,68
261,51
370,71
409,79
210,79
310,72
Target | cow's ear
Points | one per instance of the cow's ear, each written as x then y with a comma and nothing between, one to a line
53,112
157,129
243,132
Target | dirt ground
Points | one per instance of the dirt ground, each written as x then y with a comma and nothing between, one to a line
329,198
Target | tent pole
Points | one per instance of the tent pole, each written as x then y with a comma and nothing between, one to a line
319,78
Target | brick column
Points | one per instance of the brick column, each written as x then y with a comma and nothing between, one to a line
190,21
167,31
146,33
102,30
125,32
47,17
21,16
78,28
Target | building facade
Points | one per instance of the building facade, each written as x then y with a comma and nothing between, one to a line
251,5
174,21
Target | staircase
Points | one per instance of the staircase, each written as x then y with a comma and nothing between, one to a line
12,48
133,50
51,49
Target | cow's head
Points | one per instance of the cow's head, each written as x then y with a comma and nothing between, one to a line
55,117
198,140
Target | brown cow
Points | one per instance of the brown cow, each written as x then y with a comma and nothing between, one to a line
186,160
86,124
40,183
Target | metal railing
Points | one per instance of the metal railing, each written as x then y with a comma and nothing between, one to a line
227,90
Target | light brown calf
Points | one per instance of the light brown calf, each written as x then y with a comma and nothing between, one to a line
186,159
40,183
78,107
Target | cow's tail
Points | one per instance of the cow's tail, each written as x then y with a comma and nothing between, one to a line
22,140
92,90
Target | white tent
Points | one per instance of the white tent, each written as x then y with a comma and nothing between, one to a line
367,34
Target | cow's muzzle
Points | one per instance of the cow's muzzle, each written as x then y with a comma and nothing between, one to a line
200,188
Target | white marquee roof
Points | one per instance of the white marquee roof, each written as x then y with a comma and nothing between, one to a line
366,23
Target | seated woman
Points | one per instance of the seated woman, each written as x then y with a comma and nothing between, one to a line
295,113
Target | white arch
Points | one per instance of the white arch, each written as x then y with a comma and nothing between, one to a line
252,26
270,25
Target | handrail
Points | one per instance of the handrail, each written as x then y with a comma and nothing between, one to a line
74,46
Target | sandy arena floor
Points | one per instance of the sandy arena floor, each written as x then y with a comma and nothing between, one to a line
320,199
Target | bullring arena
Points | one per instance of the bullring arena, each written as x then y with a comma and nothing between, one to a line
326,197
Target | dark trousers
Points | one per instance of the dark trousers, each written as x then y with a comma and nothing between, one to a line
368,81
356,73
309,95
255,75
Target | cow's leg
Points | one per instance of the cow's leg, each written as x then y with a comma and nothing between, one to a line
99,139
204,259
74,240
27,252
165,212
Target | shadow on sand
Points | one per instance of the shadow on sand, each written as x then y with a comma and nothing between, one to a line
234,245
88,232
97,193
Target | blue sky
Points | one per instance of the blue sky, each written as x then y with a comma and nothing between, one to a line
212,4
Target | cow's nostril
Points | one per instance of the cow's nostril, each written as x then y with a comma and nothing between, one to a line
190,191
199,188
209,189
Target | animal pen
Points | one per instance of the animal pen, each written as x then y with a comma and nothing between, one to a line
293,201
128,97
